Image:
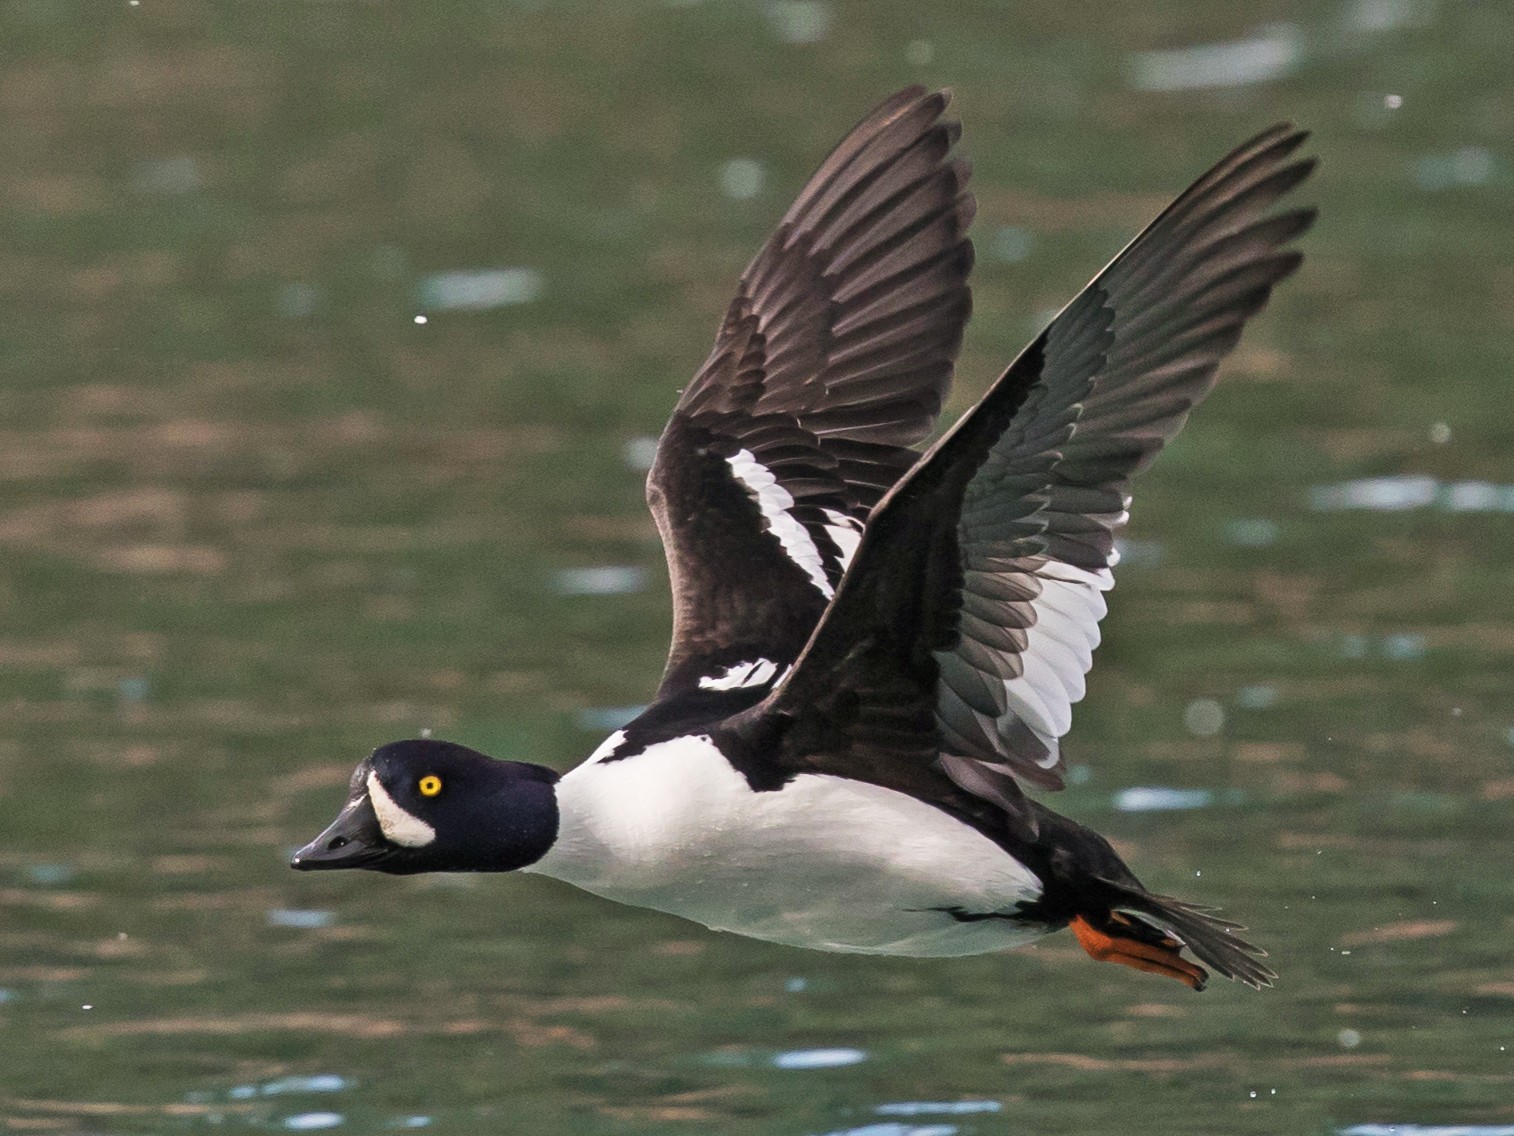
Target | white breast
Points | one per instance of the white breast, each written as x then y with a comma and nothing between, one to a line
824,862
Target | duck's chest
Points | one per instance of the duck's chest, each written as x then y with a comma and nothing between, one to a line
824,862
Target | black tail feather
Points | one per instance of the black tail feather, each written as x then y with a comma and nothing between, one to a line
1212,939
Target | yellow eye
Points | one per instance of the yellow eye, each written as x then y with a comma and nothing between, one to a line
430,785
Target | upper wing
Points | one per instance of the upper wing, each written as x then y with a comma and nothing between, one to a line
832,360
968,619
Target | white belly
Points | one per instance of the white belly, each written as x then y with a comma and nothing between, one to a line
824,862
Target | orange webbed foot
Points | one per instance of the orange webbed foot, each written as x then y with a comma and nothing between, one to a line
1161,957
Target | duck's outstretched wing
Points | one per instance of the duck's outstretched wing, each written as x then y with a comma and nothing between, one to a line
967,621
832,360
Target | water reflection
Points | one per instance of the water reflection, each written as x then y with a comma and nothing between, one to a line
1237,63
818,1058
479,289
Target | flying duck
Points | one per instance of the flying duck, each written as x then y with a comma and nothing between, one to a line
875,650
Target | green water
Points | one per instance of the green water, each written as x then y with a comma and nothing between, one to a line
255,520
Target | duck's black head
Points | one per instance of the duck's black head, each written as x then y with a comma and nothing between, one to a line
431,806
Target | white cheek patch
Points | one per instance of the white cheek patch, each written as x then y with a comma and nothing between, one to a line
399,827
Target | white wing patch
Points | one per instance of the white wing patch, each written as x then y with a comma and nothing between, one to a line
1059,650
399,827
846,532
775,502
740,675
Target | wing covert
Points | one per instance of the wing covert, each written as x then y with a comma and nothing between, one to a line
832,360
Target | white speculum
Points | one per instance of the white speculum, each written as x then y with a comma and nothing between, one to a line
775,502
399,827
740,675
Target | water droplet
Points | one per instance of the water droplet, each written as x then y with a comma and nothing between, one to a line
1204,717
1252,532
799,21
1348,1038
420,319
639,453
610,580
742,178
1012,244
297,300
919,52
305,920
1393,102
1440,433
1403,647
135,689
1258,697
167,177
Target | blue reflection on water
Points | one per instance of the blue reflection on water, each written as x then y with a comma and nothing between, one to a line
310,1121
1236,63
605,717
607,580
293,917
318,1083
50,875
818,1058
1399,492
480,289
937,1108
1158,798
1429,1130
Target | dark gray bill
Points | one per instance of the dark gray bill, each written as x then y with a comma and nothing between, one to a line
353,840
